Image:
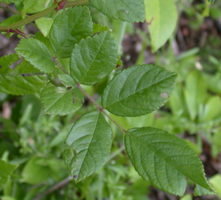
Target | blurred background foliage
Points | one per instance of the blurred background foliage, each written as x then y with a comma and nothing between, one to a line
33,143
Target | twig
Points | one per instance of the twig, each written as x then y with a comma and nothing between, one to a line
99,107
43,13
116,153
57,186
18,32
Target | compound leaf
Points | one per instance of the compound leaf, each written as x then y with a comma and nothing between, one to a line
94,58
60,101
69,27
37,53
164,159
138,90
125,10
90,139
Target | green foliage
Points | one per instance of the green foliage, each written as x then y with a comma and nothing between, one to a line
6,170
93,59
126,10
72,65
36,6
138,90
162,17
60,101
78,25
163,159
90,141
37,54
19,85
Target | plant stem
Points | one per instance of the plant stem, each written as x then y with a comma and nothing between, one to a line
99,107
43,13
116,153
55,187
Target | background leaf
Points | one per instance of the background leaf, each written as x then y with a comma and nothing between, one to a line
90,140
94,58
164,159
138,90
162,16
6,170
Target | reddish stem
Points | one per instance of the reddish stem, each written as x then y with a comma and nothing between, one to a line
17,31
60,5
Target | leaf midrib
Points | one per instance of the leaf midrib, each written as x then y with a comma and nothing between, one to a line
141,90
167,159
95,127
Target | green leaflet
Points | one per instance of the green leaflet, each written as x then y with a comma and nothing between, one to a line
138,90
162,16
90,139
126,10
164,159
31,6
44,24
60,101
6,170
37,53
19,85
69,27
94,58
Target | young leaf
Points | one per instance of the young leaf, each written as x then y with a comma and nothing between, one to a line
162,16
138,90
93,58
164,159
6,170
60,101
19,85
37,54
126,10
90,139
69,27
